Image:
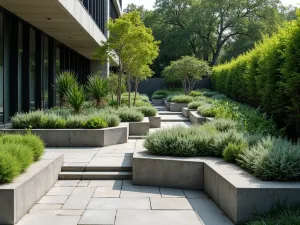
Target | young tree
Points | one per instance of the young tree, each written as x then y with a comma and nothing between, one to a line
188,70
131,43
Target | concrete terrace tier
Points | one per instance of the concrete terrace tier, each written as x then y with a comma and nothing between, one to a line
139,128
196,118
240,195
167,104
155,121
79,137
18,197
177,107
186,112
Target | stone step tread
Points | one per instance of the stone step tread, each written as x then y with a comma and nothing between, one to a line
136,137
75,168
95,175
161,113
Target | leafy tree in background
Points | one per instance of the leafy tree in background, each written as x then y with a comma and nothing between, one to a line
189,70
131,43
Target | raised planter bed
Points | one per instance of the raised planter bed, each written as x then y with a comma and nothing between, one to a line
159,102
167,104
177,107
18,197
155,121
186,112
79,137
240,195
196,118
139,128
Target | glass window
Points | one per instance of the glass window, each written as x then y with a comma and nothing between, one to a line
20,60
32,72
45,77
1,68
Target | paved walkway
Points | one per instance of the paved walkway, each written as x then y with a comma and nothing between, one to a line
119,202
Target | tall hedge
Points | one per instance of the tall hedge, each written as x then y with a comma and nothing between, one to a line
268,77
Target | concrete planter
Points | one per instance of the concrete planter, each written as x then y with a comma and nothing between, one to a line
239,194
18,197
139,128
167,104
196,118
177,107
155,121
79,137
159,102
169,172
186,112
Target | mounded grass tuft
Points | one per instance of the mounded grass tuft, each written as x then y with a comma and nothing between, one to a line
147,111
182,99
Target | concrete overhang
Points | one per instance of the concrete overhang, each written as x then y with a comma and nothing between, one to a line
118,7
65,20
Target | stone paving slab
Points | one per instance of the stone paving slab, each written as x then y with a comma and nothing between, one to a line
140,192
105,183
53,199
98,217
110,162
171,193
170,203
61,191
80,198
66,183
33,219
195,194
157,217
119,203
46,207
107,192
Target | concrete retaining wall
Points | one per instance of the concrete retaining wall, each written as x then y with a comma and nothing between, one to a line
155,121
177,107
139,128
79,137
18,197
186,112
196,118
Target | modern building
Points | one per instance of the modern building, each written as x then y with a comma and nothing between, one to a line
39,38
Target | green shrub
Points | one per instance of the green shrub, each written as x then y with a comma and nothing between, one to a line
97,88
161,92
95,123
210,93
111,118
142,103
273,159
233,151
182,99
209,112
195,104
148,111
33,120
158,96
143,98
203,107
64,81
130,115
170,98
222,125
53,121
75,122
9,168
195,93
22,153
76,97
219,96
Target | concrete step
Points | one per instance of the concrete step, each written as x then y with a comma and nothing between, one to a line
161,108
71,168
174,118
95,176
136,137
164,113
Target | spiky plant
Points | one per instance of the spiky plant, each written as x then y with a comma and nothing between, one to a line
64,81
97,88
76,97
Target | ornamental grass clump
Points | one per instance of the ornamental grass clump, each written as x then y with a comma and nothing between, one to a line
98,88
158,96
195,104
33,120
53,121
95,123
164,93
182,99
63,83
148,111
195,93
75,121
9,167
76,97
272,159
130,115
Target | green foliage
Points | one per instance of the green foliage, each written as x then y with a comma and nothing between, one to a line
182,99
209,112
273,159
187,70
195,104
53,121
267,76
64,81
233,150
195,93
76,97
222,125
161,92
95,123
32,120
280,215
156,96
148,111
130,115
98,88
9,167
75,122
210,93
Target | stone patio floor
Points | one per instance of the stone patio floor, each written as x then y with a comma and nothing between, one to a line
105,202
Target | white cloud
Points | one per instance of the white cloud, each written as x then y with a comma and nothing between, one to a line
148,4
291,2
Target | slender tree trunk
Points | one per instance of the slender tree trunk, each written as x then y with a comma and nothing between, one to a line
135,91
129,91
119,89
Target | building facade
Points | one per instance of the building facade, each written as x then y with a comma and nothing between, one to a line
40,38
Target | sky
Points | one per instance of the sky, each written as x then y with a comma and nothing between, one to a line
149,3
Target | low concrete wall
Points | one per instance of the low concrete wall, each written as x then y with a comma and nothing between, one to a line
158,102
79,137
167,104
139,128
239,194
167,172
18,197
195,118
186,112
155,121
177,107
